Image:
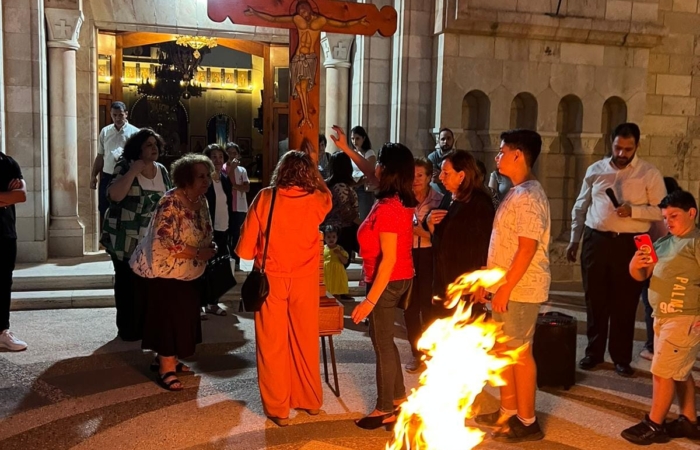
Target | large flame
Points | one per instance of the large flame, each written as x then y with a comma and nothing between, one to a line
459,362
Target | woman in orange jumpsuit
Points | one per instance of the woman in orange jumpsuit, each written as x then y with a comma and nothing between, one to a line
286,327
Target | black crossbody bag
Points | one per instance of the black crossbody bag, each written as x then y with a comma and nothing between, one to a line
255,288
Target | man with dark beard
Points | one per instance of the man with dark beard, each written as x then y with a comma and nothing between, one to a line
446,141
619,199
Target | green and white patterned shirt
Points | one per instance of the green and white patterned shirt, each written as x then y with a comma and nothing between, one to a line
124,220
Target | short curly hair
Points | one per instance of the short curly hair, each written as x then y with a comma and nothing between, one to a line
295,169
132,148
211,148
182,170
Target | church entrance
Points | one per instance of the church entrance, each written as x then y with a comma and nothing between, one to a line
195,91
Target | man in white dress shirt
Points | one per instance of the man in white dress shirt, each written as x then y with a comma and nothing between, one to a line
608,234
109,150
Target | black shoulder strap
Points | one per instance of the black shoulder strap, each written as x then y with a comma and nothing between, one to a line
267,230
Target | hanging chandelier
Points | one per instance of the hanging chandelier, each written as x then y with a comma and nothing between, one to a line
174,77
196,43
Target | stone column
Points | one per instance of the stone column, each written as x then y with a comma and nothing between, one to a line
66,232
336,49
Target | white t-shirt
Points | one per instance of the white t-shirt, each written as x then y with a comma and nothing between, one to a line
356,172
240,202
523,212
155,184
111,144
221,211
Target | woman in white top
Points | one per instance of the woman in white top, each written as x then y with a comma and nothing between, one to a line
219,197
169,262
365,191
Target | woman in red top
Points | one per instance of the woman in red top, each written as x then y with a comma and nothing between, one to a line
386,241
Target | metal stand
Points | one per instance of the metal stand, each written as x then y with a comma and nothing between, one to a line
336,391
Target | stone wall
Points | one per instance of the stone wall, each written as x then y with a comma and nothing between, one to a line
503,64
672,119
23,117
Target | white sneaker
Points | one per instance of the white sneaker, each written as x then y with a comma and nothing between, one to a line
646,354
10,342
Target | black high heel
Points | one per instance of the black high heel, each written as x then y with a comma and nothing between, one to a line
374,422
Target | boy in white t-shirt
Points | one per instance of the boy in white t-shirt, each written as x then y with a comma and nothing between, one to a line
239,204
520,246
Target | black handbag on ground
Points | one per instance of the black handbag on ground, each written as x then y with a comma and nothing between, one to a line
255,287
218,278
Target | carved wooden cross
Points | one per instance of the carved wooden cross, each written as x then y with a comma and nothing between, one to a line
306,19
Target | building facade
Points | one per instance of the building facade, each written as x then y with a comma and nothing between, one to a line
571,70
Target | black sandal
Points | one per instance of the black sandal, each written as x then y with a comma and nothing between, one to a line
374,422
180,368
168,385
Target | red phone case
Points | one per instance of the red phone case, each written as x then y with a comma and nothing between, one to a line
643,242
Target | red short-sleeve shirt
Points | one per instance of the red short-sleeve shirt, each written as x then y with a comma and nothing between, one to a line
388,215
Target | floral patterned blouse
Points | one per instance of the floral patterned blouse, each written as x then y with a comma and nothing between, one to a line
345,206
172,228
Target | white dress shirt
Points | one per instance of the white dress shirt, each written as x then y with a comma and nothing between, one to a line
640,185
111,144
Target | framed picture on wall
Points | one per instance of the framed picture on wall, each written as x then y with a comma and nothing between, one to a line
246,146
197,144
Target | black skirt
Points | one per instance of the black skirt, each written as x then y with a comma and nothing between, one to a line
172,326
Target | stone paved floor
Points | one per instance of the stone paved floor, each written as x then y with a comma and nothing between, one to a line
79,387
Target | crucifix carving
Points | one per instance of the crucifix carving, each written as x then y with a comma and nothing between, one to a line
306,19
63,30
220,103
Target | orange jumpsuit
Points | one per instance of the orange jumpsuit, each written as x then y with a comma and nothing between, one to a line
286,327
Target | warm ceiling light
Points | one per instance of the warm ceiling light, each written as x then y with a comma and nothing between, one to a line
196,42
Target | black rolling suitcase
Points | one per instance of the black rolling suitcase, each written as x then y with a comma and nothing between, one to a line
554,349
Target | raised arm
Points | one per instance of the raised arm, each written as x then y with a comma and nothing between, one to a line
366,166
270,18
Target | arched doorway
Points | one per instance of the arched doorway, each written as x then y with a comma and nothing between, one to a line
561,184
523,111
614,113
170,121
476,108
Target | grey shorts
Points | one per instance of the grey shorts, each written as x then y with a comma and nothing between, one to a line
519,322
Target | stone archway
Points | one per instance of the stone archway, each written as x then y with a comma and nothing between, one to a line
523,112
156,17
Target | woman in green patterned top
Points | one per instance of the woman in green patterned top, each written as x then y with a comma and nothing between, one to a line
139,183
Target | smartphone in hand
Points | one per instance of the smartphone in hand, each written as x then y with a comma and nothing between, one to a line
644,244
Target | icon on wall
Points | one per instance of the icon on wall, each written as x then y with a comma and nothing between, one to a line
197,144
246,146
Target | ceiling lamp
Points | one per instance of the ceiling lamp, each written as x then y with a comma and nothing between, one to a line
174,76
196,42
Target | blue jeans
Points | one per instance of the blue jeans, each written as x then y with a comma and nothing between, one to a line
390,385
649,345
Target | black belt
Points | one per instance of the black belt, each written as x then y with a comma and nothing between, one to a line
612,234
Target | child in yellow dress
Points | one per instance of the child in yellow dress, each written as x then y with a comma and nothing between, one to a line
334,259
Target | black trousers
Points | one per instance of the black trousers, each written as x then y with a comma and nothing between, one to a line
420,314
130,309
235,222
222,242
8,255
612,295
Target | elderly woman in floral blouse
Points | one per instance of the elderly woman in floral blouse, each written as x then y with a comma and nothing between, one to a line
169,260
139,183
